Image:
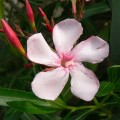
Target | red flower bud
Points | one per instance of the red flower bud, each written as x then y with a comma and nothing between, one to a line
47,23
50,28
29,12
30,15
43,15
41,12
12,37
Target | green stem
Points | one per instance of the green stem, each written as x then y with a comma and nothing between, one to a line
110,103
80,108
105,99
34,70
96,101
1,10
116,96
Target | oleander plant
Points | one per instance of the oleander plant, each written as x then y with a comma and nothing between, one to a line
59,60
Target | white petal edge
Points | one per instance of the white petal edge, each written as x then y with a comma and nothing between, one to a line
48,85
84,83
38,51
65,35
92,50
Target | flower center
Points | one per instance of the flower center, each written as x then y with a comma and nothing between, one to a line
67,64
67,60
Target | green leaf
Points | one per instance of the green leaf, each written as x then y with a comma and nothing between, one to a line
30,107
115,116
12,114
7,95
115,32
58,103
96,9
114,76
82,115
105,88
114,73
27,102
49,117
27,116
93,67
105,32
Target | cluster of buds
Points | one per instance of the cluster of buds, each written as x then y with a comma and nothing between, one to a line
12,36
30,16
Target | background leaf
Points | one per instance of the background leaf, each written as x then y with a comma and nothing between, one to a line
12,114
27,116
115,33
82,115
96,9
114,75
105,88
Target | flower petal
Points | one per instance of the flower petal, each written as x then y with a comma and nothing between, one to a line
48,85
38,51
84,83
93,50
65,34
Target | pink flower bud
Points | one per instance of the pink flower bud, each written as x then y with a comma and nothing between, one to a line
12,37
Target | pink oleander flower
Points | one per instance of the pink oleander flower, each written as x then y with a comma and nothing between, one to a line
67,60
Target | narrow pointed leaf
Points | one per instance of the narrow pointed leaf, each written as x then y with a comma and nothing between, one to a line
22,99
96,9
30,107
